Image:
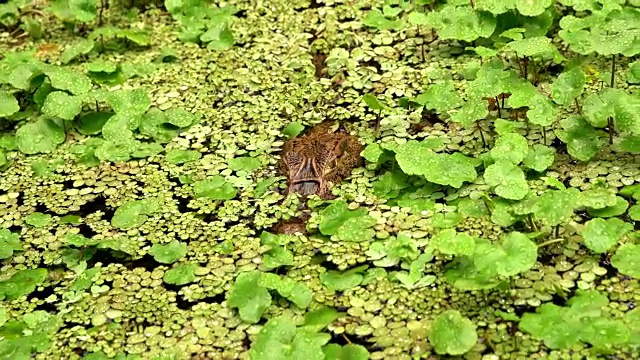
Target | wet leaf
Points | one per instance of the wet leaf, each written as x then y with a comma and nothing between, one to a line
508,180
463,23
41,136
129,102
583,141
321,318
215,188
376,19
134,213
450,242
598,198
177,157
9,242
168,253
452,334
372,102
63,78
244,163
181,274
22,283
82,47
627,260
249,297
62,105
342,280
568,86
279,339
510,147
8,104
618,209
38,219
539,157
347,352
600,234
442,97
556,206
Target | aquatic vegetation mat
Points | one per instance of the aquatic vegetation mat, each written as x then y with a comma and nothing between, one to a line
473,191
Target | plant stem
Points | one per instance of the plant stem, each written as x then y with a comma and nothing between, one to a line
377,125
526,67
100,14
610,126
544,136
578,106
498,104
472,4
613,70
484,143
549,242
97,107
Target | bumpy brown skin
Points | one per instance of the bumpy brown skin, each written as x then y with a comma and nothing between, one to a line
318,160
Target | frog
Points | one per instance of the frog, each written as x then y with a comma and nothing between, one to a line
316,161
313,163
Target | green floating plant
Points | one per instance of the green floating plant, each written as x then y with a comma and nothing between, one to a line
181,274
9,243
134,213
21,283
215,188
168,253
346,225
250,293
452,334
278,254
582,321
343,280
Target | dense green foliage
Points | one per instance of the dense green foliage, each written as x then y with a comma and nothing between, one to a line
496,216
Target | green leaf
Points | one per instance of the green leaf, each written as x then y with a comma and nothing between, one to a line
168,253
215,188
292,129
416,158
376,19
129,102
244,163
181,274
520,254
177,157
134,213
347,352
82,47
568,86
280,340
218,37
84,10
335,215
297,293
343,280
41,136
442,97
91,123
8,104
583,141
463,23
470,112
539,157
503,127
9,242
63,78
549,325
618,209
452,334
596,111
249,297
598,198
634,212
556,206
627,260
508,180
510,147
38,219
372,102
373,153
633,74
450,242
600,234
532,8
389,185
321,318
62,105
22,283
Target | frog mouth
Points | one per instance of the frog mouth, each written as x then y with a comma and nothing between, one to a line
305,187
